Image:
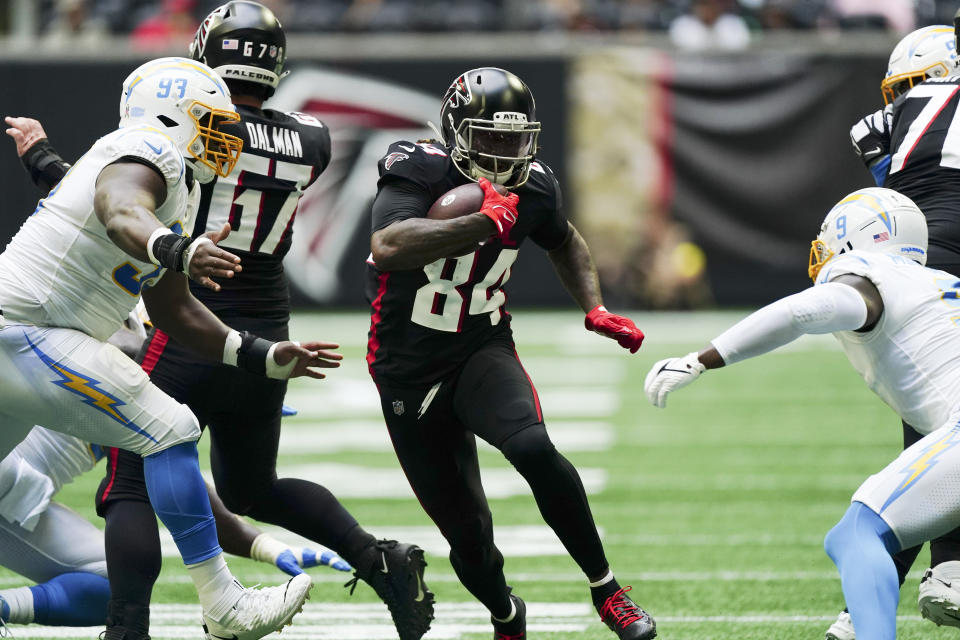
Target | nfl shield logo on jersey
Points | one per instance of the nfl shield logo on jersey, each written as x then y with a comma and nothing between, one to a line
398,407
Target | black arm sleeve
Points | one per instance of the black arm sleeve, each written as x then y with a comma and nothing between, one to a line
44,165
399,200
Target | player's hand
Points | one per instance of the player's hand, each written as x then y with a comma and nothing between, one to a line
613,326
204,260
501,209
669,375
871,136
293,360
26,132
294,562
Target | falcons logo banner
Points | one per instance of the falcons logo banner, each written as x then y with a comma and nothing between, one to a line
364,116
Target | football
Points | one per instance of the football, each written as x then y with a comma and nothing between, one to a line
460,201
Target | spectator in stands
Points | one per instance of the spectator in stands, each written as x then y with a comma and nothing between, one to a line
710,24
72,25
173,25
896,15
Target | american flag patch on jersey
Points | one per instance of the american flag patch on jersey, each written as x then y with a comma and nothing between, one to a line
881,237
230,44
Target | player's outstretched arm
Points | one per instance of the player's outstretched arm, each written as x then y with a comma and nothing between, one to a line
575,268
413,241
44,165
240,538
174,310
847,303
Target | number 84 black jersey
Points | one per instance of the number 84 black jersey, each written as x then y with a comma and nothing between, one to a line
425,322
283,154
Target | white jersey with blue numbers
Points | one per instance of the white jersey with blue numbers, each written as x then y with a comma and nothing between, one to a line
911,358
61,269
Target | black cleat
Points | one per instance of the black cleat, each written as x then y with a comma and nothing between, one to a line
625,618
516,629
395,571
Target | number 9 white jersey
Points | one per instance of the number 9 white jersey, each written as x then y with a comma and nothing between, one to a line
911,358
62,270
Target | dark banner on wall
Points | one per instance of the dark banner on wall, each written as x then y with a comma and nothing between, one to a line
704,179
697,181
367,105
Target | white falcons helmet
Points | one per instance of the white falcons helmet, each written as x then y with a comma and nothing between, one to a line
874,219
189,103
930,52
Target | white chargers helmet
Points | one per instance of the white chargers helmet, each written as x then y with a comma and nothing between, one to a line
930,52
188,102
873,219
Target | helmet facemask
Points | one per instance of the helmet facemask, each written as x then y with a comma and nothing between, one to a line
211,147
500,150
895,86
820,253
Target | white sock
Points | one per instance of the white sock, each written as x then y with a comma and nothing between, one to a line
217,589
20,601
604,580
513,612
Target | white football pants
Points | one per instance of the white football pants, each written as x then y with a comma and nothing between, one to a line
918,494
75,384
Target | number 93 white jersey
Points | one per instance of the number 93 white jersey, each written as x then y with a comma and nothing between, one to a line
911,358
62,270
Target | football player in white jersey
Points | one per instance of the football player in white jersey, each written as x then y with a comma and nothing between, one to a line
905,147
64,554
897,323
76,269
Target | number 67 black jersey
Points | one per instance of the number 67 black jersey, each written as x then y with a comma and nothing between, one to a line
426,322
282,155
924,131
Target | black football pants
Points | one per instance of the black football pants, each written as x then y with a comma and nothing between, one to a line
433,433
242,411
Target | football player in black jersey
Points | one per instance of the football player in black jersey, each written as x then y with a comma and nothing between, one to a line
912,145
441,349
283,153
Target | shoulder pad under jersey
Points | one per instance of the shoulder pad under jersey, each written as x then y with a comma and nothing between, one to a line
424,163
148,144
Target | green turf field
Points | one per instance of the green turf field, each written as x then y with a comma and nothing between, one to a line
713,509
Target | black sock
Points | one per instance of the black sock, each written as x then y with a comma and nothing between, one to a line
355,545
132,544
604,591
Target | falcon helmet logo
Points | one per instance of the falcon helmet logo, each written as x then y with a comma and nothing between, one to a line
393,159
459,93
398,407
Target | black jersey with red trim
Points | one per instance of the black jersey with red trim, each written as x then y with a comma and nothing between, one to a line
925,156
426,322
283,153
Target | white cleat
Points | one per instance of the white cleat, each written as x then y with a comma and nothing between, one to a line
939,598
842,629
260,612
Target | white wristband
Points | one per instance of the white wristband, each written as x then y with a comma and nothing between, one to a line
266,548
231,348
191,249
160,231
276,371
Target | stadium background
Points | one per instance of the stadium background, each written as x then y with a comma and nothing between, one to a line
698,171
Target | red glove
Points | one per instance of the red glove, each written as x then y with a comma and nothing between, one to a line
613,326
502,209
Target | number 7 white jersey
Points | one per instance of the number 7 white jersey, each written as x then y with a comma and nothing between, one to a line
911,358
61,269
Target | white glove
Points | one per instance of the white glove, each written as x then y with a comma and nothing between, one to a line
669,375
